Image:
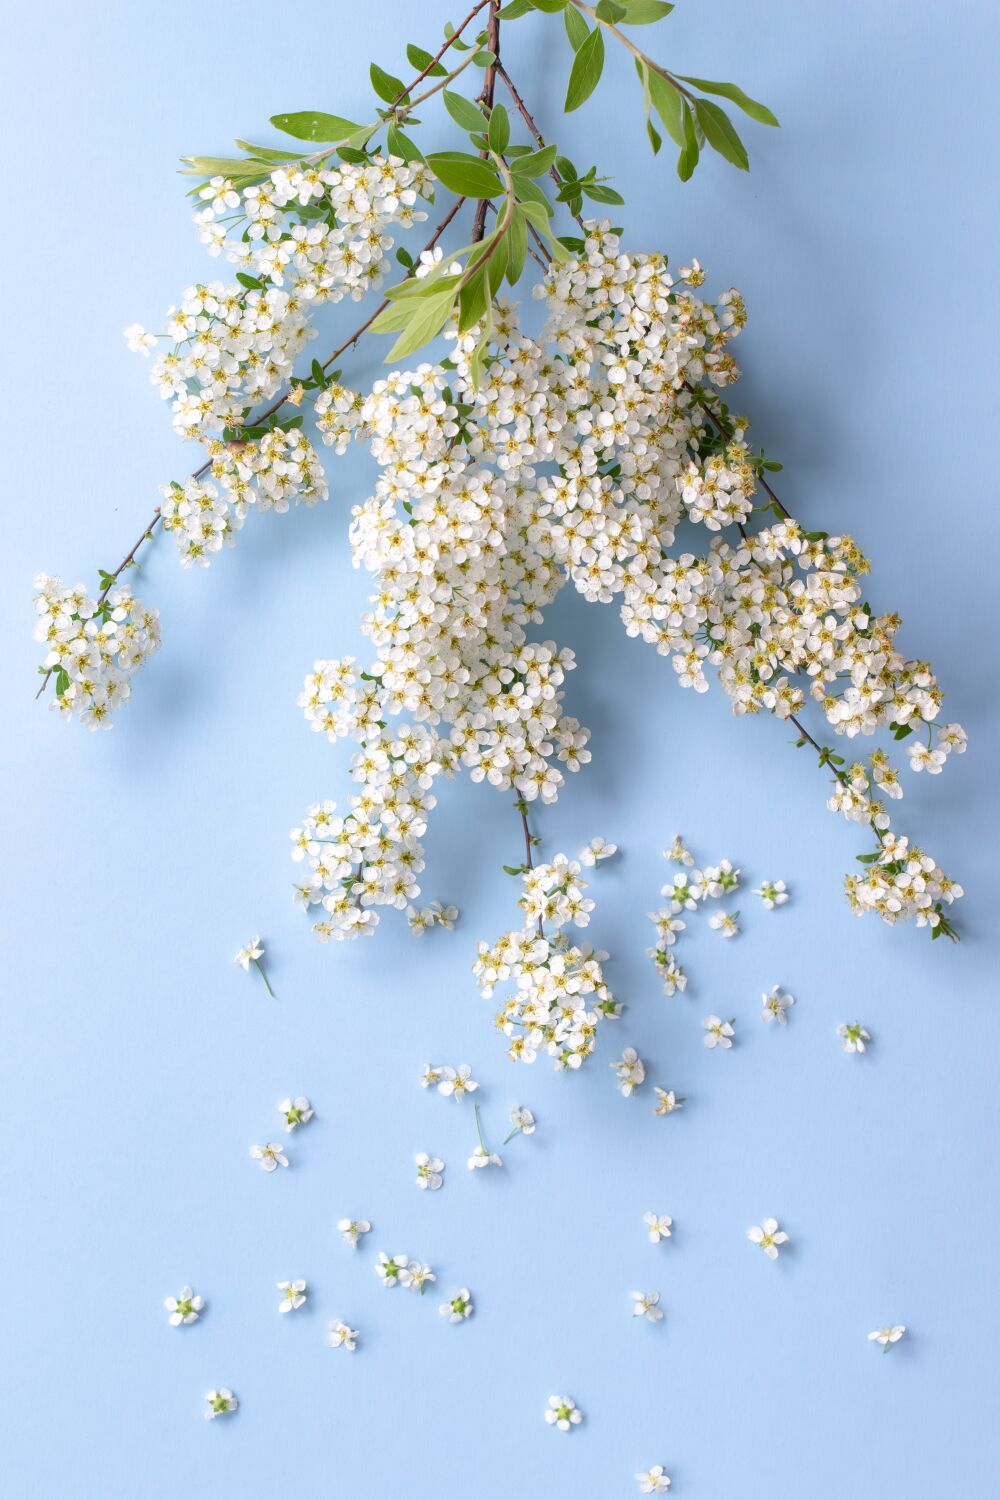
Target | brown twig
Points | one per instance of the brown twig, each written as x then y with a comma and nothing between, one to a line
529,120
486,99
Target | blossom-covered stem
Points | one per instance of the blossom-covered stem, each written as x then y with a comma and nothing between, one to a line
486,99
522,808
726,432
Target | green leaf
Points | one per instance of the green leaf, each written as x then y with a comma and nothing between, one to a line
312,125
535,164
549,6
517,248
515,10
720,133
385,85
236,167
527,191
644,12
426,320
464,174
422,286
401,145
498,134
263,153
667,103
576,27
610,10
586,72
688,159
601,194
250,282
421,60
758,112
463,111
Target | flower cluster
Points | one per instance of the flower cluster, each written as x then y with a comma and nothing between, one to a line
560,995
92,646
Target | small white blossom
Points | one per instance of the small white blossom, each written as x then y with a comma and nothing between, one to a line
522,1122
352,1229
296,1112
718,1033
563,1413
595,851
776,1006
768,1236
420,1277
726,922
854,1037
459,1308
667,1101
270,1156
220,1403
658,1227
431,1077
772,893
654,1481
631,1071
720,879
340,1336
678,852
393,1270
645,1305
457,1082
185,1308
429,1169
293,1295
483,1158
435,915
252,954
139,341
887,1336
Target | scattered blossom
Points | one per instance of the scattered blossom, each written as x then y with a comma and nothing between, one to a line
341,1336
522,1122
776,1006
270,1156
772,893
429,1170
654,1481
658,1227
220,1403
768,1236
393,1270
631,1071
854,1036
678,852
667,1102
719,880
431,1077
595,851
887,1336
563,1413
252,954
296,1112
434,915
726,922
293,1295
482,1156
646,1305
458,1308
185,1308
718,1033
420,1277
351,1230
457,1082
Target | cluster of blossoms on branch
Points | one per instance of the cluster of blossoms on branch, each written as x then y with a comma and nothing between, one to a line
93,646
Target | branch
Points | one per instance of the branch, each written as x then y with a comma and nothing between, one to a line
486,98
528,119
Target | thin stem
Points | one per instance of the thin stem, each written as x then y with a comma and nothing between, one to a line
635,51
260,970
510,1135
479,1131
486,99
528,119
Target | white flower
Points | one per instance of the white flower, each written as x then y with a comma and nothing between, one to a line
644,1305
393,1270
352,1229
667,1101
270,1156
220,1403
252,954
654,1481
435,915
483,1158
431,1077
854,1037
294,1295
296,1112
631,1071
563,1413
429,1169
522,1121
459,1308
726,922
718,1033
658,1227
139,341
340,1336
457,1082
678,852
887,1336
776,1006
720,879
595,851
185,1308
420,1277
768,1236
772,893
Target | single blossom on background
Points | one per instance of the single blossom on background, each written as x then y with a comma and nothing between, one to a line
341,1336
522,1123
270,1156
776,1006
718,1033
772,893
563,1413
667,1102
293,1295
658,1227
429,1169
431,1077
768,1236
393,1270
457,1082
645,1305
220,1403
595,851
654,1481
726,922
296,1112
420,1277
887,1336
351,1230
252,954
678,852
718,880
482,1156
631,1071
854,1037
458,1308
185,1308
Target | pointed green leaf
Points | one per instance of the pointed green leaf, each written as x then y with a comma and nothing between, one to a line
576,27
667,103
498,134
464,174
720,133
688,159
263,153
517,246
758,112
386,86
535,163
644,12
312,125
588,65
421,60
463,111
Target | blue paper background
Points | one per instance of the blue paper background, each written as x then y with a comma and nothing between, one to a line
138,1064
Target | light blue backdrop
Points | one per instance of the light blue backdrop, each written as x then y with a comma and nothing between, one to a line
138,1064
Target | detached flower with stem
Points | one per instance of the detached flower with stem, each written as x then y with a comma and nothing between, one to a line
421,1277
252,954
481,1157
887,1336
726,922
523,1123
